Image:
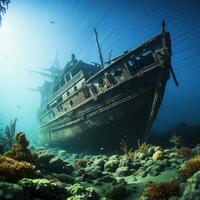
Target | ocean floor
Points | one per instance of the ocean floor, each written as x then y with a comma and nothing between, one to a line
149,172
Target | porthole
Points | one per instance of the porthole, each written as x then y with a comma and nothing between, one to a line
68,93
75,88
71,103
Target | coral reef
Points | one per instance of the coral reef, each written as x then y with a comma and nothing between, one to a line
12,170
190,168
161,191
185,152
192,188
10,191
43,189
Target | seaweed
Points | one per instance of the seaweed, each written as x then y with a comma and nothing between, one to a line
7,136
143,147
3,7
175,140
128,152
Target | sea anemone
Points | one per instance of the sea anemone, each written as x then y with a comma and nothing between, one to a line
163,190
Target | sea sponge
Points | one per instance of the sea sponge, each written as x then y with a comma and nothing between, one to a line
190,168
163,190
158,155
185,152
12,170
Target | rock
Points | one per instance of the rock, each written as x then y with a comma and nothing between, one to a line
192,188
45,157
150,151
80,172
123,171
155,170
116,192
158,155
141,155
143,173
78,190
43,188
157,148
89,176
135,165
100,163
107,179
111,165
172,155
59,166
64,178
125,162
10,191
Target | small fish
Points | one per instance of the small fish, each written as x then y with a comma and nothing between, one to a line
52,22
19,107
101,148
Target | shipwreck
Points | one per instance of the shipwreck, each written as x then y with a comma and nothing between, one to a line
93,106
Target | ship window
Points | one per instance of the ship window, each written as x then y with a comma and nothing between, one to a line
75,88
118,72
71,103
53,114
75,71
56,88
68,93
67,78
59,99
62,82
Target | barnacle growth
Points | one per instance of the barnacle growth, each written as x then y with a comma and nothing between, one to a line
163,190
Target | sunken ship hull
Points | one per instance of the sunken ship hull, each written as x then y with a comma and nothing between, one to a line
117,102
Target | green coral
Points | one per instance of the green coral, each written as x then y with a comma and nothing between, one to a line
44,189
9,191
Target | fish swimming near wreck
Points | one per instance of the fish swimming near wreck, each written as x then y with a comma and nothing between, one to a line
93,106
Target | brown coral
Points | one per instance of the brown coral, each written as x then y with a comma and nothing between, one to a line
12,170
19,151
162,190
185,152
190,168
